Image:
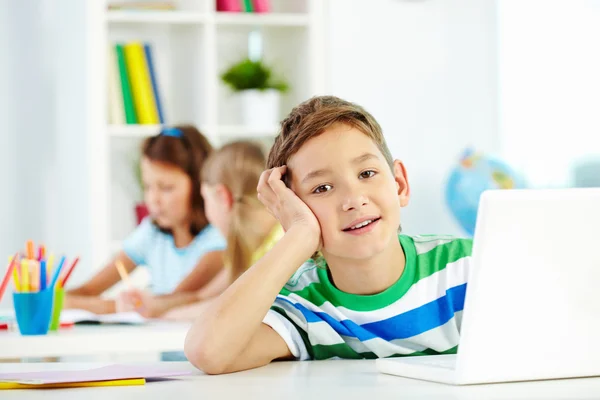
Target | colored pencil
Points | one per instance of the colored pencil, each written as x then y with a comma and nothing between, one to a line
63,281
24,275
7,275
30,251
43,278
123,273
56,273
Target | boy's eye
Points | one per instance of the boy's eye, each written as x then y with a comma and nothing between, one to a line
367,174
322,189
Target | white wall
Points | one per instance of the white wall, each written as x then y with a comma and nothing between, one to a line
27,115
68,211
550,83
427,71
42,108
8,147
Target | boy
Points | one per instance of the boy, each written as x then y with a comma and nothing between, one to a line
368,292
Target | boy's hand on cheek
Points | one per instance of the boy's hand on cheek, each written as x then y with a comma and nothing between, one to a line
287,207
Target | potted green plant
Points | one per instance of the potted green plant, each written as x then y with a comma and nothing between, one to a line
259,92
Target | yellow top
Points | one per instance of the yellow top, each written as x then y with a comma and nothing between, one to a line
272,238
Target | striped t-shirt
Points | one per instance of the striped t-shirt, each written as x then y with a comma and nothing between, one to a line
419,314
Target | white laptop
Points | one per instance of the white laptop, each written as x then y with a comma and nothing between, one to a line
532,306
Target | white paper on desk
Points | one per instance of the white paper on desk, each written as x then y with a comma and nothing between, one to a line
83,316
107,373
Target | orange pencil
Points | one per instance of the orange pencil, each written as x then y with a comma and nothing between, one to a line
30,251
123,273
125,278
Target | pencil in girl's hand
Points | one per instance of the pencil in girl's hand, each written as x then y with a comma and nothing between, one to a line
63,281
123,272
125,278
9,272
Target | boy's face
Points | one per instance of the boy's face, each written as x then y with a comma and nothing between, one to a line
345,180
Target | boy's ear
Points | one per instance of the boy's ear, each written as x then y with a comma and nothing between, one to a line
224,195
402,185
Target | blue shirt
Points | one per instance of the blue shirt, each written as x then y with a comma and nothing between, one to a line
167,264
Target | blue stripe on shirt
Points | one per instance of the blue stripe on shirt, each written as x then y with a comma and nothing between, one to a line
344,327
421,319
402,326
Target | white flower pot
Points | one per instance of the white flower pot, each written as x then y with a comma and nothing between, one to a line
260,109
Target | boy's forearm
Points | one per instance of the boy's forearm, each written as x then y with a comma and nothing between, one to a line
228,324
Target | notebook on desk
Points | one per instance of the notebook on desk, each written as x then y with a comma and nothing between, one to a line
110,375
82,317
532,306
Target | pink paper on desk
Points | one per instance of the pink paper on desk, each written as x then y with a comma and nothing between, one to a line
108,373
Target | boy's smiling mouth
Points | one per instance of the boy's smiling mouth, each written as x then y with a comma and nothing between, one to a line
362,225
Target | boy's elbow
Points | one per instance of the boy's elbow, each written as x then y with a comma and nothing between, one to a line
202,356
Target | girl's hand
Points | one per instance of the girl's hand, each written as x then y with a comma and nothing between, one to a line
287,207
126,301
138,301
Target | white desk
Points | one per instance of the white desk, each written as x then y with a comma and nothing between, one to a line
304,380
89,340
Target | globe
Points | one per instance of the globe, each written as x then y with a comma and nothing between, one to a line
474,174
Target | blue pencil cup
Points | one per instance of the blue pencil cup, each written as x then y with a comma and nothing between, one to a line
33,311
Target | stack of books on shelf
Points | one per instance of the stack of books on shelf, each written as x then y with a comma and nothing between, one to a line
256,6
133,90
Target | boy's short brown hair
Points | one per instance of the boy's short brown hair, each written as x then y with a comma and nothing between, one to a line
312,117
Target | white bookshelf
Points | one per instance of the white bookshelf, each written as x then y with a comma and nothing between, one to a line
133,131
156,17
278,20
221,18
191,47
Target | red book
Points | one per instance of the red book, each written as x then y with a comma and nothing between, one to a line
229,6
262,6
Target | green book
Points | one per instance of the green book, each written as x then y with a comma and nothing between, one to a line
247,6
130,117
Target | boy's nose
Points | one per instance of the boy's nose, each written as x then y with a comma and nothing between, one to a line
355,202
